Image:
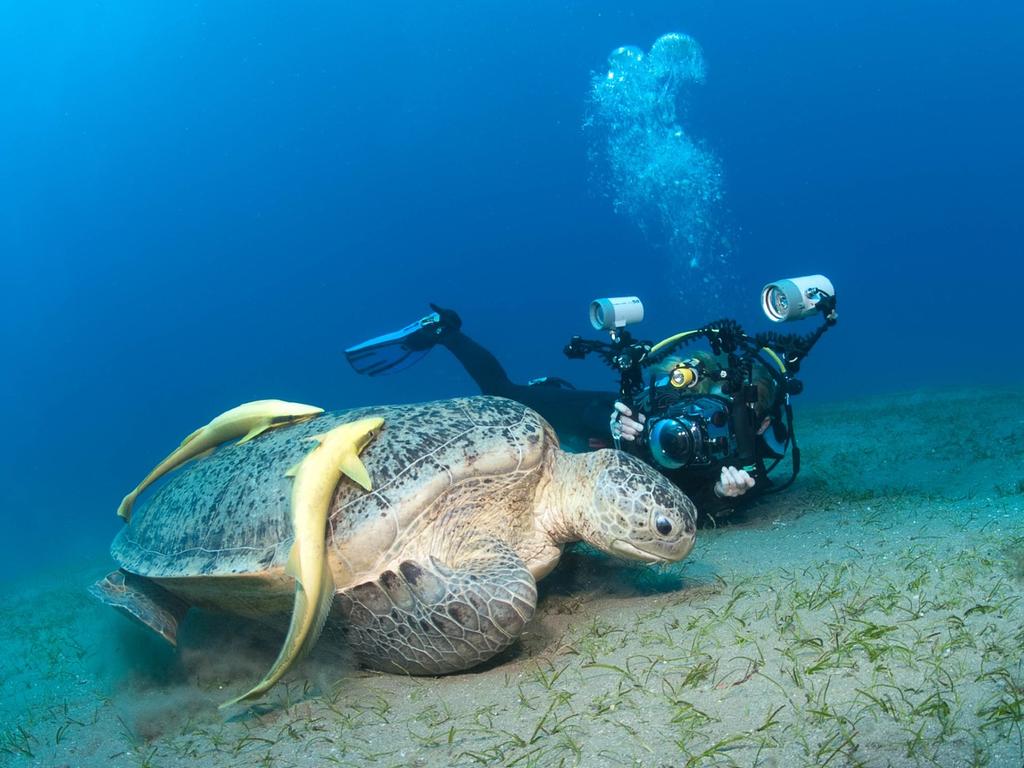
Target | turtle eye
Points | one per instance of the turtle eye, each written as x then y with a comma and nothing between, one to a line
663,524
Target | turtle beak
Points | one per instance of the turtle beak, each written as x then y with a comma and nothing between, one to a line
623,548
654,551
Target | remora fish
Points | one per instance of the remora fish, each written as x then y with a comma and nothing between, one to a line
248,419
316,477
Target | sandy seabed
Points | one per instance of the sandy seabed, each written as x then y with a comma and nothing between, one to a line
871,615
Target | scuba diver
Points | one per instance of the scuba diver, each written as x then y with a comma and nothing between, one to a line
708,422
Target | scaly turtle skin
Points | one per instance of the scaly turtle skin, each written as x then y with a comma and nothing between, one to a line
435,570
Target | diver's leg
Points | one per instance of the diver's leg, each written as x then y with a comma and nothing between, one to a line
445,328
579,416
480,364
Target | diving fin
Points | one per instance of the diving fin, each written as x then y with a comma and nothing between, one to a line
396,351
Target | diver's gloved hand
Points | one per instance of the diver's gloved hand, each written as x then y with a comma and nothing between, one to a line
733,482
623,426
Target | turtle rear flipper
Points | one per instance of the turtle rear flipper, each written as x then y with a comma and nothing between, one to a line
143,600
430,619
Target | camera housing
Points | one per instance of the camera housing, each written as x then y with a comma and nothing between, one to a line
693,433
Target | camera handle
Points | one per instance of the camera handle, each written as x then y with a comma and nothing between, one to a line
743,427
622,353
628,361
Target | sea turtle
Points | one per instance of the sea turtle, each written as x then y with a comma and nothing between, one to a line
435,569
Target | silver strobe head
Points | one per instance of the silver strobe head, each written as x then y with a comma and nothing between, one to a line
609,314
795,298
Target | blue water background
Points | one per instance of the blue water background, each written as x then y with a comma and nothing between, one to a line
204,203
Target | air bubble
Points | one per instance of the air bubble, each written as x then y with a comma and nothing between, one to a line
647,161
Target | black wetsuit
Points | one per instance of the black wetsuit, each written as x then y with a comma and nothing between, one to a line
580,417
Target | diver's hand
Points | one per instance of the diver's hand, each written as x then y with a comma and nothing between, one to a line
623,425
734,482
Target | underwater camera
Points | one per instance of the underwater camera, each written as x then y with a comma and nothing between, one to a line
692,433
693,418
705,411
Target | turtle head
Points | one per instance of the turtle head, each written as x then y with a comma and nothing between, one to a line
626,508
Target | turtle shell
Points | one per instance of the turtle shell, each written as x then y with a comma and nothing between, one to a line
441,469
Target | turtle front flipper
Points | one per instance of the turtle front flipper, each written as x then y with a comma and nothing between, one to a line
143,600
429,618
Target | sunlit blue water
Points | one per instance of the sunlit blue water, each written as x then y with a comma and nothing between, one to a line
204,203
